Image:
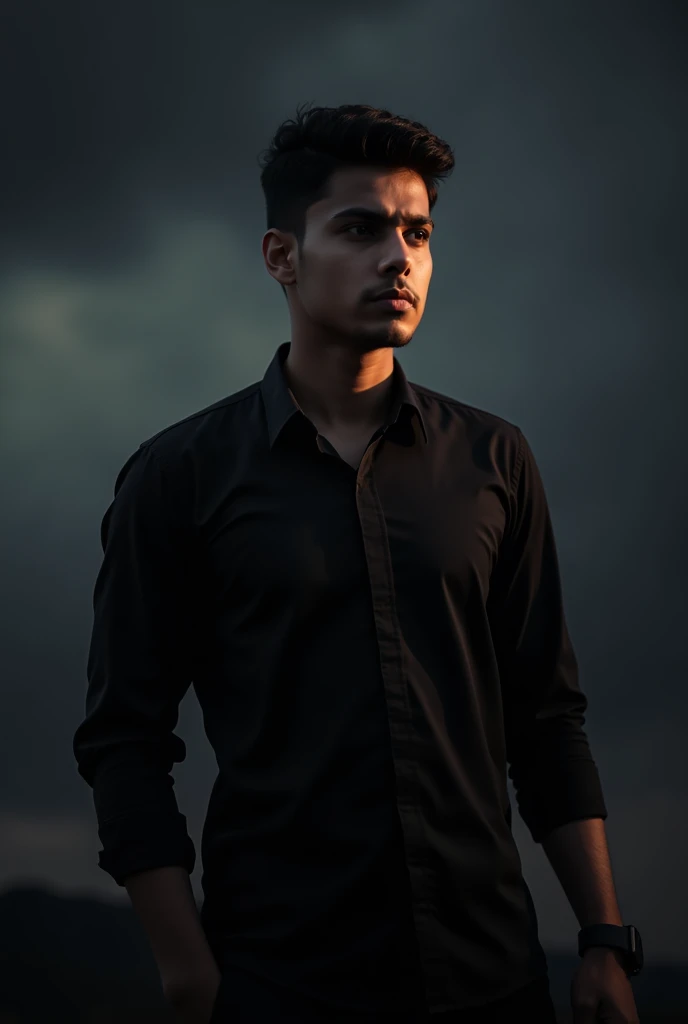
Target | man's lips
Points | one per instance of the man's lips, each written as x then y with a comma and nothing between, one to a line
398,304
396,293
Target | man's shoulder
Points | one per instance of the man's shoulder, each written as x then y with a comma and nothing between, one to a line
199,428
436,401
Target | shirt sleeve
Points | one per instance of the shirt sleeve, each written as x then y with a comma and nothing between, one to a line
138,671
550,764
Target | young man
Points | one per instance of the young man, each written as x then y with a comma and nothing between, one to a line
359,577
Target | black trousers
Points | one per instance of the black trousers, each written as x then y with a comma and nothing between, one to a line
245,999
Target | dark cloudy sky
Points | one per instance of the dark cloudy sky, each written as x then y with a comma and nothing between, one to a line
133,293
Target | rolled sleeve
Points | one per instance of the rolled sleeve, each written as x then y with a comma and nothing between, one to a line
555,777
139,668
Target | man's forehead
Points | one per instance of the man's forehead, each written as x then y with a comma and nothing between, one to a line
381,190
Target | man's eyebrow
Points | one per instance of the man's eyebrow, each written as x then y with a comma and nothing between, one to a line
420,220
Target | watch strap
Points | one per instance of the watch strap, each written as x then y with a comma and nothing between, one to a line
625,938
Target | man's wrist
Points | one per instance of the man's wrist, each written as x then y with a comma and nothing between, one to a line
604,953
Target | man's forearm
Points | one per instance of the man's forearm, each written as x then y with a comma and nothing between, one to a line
164,902
579,856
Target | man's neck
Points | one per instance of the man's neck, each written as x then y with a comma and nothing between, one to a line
346,392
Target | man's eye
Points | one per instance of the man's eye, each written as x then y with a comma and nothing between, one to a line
366,227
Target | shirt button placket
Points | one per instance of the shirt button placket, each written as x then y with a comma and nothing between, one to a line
399,713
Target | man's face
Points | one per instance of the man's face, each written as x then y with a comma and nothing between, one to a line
347,260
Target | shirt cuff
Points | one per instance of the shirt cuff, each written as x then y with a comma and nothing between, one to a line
562,793
141,843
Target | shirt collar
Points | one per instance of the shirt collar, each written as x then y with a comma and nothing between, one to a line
281,405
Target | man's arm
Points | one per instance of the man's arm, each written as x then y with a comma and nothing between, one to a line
554,775
139,668
579,855
164,903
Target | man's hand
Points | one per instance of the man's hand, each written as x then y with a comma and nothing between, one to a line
600,990
193,1000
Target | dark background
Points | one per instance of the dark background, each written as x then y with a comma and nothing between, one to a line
133,293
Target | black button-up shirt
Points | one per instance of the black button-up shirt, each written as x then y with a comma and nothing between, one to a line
371,649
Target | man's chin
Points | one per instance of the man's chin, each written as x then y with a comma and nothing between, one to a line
368,341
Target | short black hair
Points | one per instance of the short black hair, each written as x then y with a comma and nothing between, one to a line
305,152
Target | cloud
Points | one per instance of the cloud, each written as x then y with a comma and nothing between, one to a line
30,842
90,360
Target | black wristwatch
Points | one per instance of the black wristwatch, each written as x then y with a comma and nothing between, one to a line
623,937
